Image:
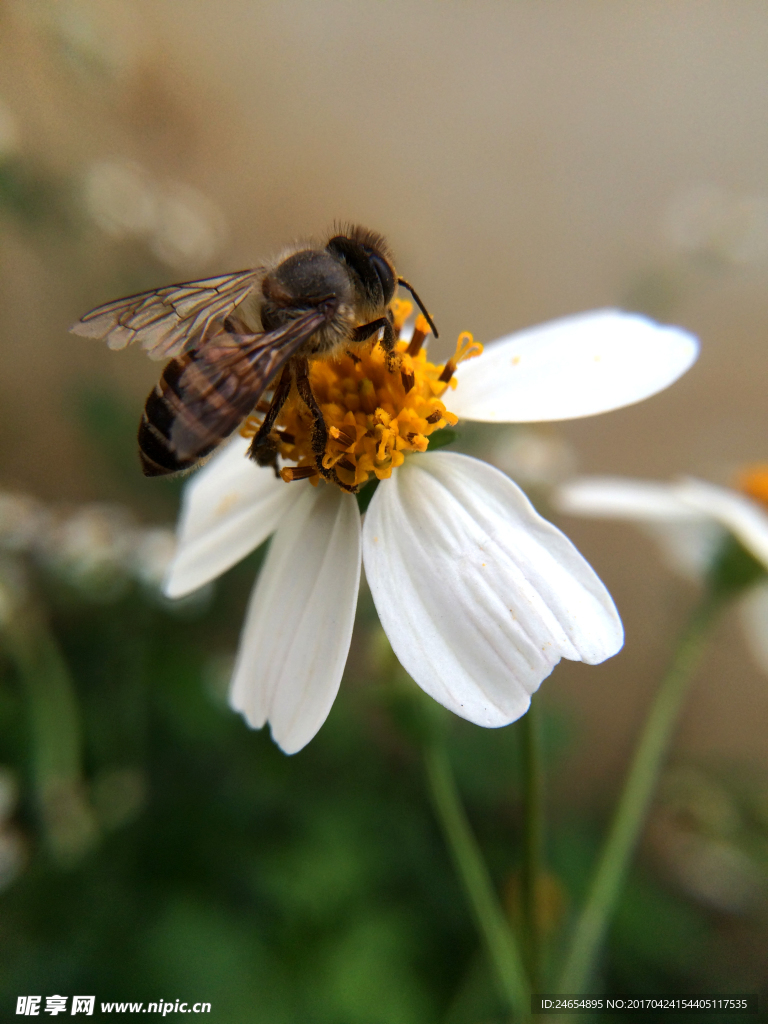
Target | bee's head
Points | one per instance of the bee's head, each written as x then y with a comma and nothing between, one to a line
366,255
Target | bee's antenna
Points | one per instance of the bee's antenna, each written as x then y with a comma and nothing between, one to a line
420,304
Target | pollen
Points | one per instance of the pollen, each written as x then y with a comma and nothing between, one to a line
378,407
753,481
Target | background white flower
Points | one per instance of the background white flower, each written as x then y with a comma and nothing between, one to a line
480,597
690,520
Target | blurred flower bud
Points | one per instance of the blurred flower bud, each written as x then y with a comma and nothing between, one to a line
182,227
189,229
551,900
121,198
92,548
700,833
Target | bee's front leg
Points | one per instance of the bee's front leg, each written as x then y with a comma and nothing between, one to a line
263,449
388,338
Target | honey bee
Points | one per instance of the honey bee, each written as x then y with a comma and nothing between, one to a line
231,338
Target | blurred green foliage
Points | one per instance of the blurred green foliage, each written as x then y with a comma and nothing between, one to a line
36,197
306,888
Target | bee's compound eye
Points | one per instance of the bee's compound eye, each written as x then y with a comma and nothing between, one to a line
385,275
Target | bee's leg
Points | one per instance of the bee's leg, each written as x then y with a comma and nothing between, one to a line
319,429
364,331
388,338
263,449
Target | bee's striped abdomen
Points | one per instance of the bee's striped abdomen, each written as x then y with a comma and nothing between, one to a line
182,419
156,450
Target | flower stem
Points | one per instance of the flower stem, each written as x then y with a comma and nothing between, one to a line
499,940
635,800
533,838
54,715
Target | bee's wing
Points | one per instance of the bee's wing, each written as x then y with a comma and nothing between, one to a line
170,320
219,384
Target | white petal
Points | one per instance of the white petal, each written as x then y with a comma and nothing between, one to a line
689,538
614,497
739,514
298,627
230,506
754,618
480,597
577,366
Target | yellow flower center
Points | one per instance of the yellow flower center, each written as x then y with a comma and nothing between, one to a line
753,481
376,407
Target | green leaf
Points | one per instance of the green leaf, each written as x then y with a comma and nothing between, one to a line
441,438
365,494
734,569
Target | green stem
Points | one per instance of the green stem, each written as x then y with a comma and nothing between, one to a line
54,717
499,940
635,800
533,836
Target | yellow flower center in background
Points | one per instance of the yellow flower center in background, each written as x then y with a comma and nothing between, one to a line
377,408
753,481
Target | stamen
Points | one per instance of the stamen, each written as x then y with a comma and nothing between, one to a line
448,371
408,379
286,437
346,464
435,416
250,426
420,330
344,437
290,473
368,400
401,310
418,441
466,348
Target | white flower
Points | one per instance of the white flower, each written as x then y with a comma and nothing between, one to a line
690,519
480,597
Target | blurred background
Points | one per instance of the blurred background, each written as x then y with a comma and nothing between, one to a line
526,161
